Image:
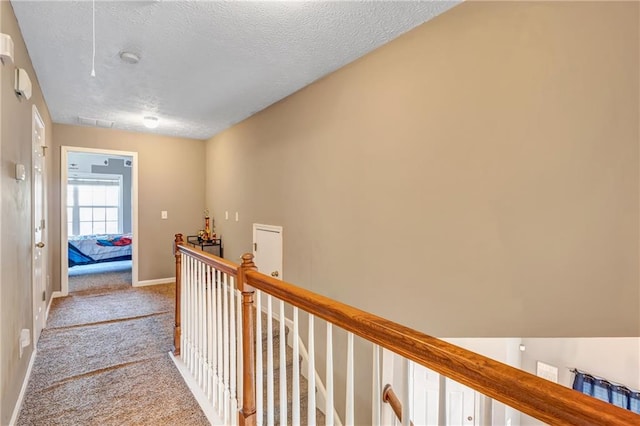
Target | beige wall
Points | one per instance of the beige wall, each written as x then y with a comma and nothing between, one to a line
476,177
170,177
15,141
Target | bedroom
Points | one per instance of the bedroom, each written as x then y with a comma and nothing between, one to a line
99,218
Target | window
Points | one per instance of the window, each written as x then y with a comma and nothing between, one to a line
94,206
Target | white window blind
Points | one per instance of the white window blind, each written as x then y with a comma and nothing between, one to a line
94,206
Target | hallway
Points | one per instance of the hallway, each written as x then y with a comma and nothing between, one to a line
103,360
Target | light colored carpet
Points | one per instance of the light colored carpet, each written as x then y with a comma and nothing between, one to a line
102,281
103,360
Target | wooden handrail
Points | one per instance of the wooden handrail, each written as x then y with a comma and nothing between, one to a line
539,398
390,397
210,259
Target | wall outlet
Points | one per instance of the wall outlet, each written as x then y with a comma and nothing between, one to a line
164,214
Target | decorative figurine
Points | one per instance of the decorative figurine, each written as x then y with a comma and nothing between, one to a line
207,229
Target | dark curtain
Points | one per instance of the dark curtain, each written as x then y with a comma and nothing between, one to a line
596,387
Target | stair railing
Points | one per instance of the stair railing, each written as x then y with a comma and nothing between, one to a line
534,396
390,397
210,312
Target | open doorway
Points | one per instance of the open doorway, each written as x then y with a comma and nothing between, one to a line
98,219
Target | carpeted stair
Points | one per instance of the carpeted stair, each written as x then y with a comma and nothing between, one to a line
320,418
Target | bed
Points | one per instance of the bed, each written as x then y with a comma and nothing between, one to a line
88,249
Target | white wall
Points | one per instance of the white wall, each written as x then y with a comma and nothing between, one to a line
616,359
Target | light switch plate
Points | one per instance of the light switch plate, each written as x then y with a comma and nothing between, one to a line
21,173
163,214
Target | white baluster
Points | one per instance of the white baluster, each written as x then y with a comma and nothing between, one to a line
376,394
311,376
406,392
329,378
232,349
270,396
295,404
220,341
183,307
283,369
239,349
350,373
225,347
210,312
190,316
259,352
214,336
201,345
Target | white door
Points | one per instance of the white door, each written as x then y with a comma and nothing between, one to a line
460,403
267,249
39,234
426,388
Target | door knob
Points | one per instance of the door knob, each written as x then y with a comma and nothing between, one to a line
275,274
40,245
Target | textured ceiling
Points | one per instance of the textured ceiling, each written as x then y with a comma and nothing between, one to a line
204,65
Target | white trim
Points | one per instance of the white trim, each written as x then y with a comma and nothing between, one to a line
46,315
56,294
64,172
40,323
201,398
144,283
271,228
23,390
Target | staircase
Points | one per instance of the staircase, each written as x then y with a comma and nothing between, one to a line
320,418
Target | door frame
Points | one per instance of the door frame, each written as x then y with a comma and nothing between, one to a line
39,321
64,240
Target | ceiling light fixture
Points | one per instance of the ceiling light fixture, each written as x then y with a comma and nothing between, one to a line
129,57
150,122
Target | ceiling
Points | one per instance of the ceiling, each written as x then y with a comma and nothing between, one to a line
204,65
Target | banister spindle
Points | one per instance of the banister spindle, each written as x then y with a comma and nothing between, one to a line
349,415
376,388
329,377
247,415
259,374
295,398
311,375
176,330
407,372
283,369
270,396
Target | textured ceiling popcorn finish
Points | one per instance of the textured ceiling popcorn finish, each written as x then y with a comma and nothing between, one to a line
204,65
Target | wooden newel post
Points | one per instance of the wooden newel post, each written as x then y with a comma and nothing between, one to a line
247,415
176,331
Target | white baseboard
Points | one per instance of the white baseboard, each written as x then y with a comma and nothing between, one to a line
156,282
57,294
23,390
201,398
